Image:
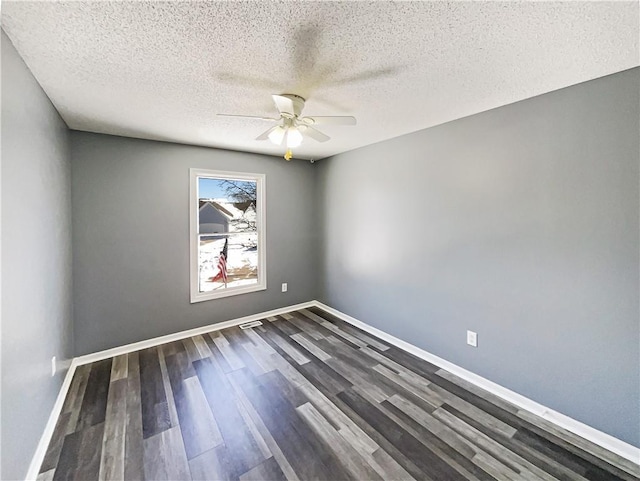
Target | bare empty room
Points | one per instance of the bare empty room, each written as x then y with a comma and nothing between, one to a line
320,240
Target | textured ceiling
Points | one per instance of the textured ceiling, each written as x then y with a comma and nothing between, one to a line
162,70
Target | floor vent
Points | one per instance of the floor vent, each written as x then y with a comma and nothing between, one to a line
251,324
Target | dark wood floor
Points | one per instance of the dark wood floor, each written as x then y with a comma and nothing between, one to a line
304,396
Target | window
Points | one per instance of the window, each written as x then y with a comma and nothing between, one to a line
227,234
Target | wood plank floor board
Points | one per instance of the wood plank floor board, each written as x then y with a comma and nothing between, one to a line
495,468
268,470
94,402
366,338
585,466
119,368
600,475
237,436
309,327
472,411
401,384
164,456
73,402
252,424
307,454
385,445
46,475
168,391
504,413
434,426
389,467
265,362
134,459
337,331
155,409
280,345
304,396
52,455
256,339
350,458
114,437
541,445
352,355
408,360
408,445
231,359
198,427
286,327
273,447
288,371
622,468
491,446
397,369
218,357
444,461
170,348
288,390
321,374
339,420
357,375
192,350
457,384
416,396
201,346
307,344
526,451
215,464
242,348
572,455
457,455
80,455
508,414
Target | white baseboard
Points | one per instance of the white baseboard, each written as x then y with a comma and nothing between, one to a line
43,444
41,450
604,440
176,336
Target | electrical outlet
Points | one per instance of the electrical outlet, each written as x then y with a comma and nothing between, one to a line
53,366
472,338
284,287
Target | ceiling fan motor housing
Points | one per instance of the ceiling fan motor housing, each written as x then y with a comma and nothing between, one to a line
298,105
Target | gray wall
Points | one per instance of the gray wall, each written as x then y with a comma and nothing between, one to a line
131,238
36,260
520,223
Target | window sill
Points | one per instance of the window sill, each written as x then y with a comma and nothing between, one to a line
208,296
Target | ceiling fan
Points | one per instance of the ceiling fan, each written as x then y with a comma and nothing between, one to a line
292,128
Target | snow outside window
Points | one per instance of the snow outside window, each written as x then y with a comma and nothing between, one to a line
227,234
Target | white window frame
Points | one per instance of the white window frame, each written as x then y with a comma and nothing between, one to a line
260,179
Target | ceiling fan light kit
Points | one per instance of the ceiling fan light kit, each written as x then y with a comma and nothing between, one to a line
292,128
294,137
276,134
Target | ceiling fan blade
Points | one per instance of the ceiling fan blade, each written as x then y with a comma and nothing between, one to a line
367,75
247,81
284,104
329,120
247,117
314,134
265,135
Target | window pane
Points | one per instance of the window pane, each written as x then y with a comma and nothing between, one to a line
241,261
227,207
